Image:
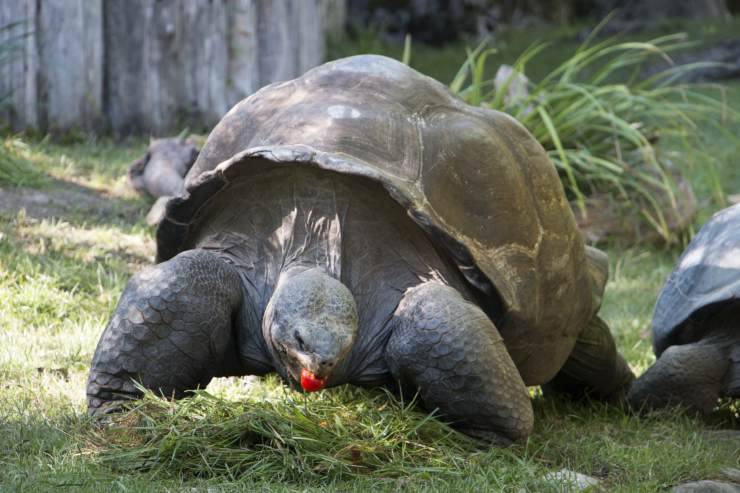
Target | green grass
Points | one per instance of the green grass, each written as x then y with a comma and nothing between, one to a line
15,170
93,162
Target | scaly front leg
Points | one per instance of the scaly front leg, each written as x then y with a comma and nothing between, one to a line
172,331
450,351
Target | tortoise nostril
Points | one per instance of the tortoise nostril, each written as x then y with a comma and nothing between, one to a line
299,340
326,363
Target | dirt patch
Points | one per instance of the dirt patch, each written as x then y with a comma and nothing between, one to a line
72,202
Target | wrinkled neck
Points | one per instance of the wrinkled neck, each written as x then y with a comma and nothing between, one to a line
299,266
309,238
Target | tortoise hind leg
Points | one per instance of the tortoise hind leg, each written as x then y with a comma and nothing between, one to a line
690,375
171,331
448,350
594,368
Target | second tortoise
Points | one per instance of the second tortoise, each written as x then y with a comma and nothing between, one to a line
696,324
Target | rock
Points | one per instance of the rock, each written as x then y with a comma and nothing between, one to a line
518,84
731,473
707,487
573,481
162,170
727,434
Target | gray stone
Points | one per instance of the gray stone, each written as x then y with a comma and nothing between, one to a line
707,487
731,473
730,435
573,481
518,84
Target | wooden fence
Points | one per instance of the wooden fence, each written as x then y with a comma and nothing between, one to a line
146,66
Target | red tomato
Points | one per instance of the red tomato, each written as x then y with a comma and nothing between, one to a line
310,382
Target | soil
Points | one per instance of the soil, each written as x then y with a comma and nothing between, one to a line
70,201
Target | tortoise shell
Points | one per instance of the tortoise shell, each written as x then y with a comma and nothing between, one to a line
475,180
707,275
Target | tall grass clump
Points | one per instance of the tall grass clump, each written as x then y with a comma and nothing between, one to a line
601,117
334,434
14,170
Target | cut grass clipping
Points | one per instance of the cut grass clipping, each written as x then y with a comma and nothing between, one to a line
600,119
290,437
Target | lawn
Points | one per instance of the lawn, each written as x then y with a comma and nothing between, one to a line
67,249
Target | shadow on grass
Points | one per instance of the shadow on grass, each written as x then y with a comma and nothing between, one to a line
72,202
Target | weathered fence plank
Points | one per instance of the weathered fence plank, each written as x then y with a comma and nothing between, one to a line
18,75
274,39
155,66
205,58
140,73
243,48
69,36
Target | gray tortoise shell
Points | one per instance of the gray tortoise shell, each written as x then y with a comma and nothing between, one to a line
474,179
707,273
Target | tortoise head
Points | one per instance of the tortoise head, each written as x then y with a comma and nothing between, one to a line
311,324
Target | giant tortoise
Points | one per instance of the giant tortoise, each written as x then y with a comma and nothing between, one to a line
696,324
362,225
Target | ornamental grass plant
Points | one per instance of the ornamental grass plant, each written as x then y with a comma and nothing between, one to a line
603,118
